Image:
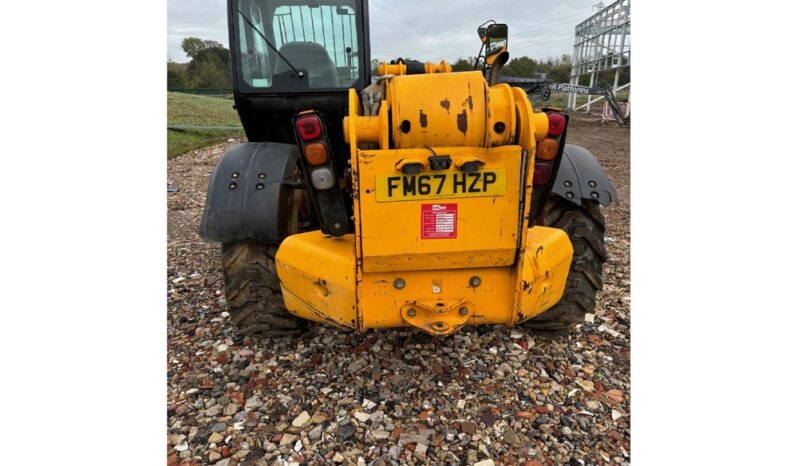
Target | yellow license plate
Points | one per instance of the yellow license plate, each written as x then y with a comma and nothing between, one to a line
441,185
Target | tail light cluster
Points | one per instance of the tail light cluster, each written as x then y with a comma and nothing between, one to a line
549,148
318,168
313,143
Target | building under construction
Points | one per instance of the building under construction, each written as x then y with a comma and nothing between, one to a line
601,45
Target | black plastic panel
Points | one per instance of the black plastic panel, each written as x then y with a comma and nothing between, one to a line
581,177
247,198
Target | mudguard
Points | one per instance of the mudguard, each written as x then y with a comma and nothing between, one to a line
248,195
581,177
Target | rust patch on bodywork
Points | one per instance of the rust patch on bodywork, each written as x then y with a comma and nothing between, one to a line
470,102
321,287
462,122
445,104
526,285
422,118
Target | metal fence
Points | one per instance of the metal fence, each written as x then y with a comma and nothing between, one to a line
212,92
204,128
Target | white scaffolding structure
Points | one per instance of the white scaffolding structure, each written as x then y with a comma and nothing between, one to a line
601,43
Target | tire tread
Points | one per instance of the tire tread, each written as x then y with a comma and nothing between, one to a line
585,228
252,290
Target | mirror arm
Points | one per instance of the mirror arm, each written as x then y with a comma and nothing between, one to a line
479,28
479,55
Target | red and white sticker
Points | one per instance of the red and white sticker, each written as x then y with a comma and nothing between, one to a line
438,221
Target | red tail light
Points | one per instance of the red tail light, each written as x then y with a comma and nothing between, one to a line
556,124
542,173
309,127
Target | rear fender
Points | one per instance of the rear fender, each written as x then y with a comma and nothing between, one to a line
581,177
248,194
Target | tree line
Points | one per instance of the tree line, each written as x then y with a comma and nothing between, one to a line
209,68
556,69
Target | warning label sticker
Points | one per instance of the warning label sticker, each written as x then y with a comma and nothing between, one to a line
438,221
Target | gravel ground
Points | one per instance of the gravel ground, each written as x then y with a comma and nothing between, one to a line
486,395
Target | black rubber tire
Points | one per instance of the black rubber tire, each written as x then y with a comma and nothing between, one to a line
252,290
251,285
585,227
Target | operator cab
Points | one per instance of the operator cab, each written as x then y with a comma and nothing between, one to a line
284,45
294,55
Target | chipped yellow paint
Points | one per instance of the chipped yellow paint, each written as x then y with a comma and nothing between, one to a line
352,281
501,116
486,228
542,272
439,110
317,276
383,305
451,109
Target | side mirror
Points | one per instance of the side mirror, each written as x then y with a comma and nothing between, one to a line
495,39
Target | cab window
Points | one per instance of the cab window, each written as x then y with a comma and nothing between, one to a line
318,37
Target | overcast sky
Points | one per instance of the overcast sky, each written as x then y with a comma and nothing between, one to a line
421,29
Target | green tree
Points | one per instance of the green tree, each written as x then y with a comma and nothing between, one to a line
464,64
210,68
194,45
560,73
521,67
557,69
176,75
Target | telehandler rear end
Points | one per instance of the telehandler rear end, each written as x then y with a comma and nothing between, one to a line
421,198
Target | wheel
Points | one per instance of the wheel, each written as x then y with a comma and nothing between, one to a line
252,290
585,228
251,285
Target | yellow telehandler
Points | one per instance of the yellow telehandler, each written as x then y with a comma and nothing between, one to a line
417,197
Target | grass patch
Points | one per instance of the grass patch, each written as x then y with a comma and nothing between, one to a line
560,99
557,99
198,110
181,141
